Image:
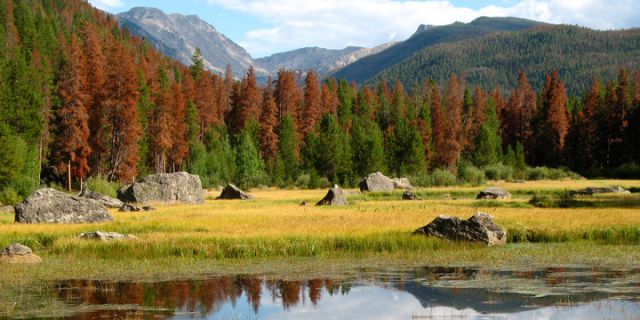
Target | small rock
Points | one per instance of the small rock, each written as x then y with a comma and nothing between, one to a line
128,207
6,209
107,201
335,197
304,204
598,190
408,195
402,183
479,228
18,254
232,192
106,236
494,193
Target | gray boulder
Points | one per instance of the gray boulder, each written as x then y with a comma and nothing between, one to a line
408,195
377,182
52,206
232,192
105,236
107,201
17,253
402,183
494,193
6,209
165,188
479,228
598,190
335,197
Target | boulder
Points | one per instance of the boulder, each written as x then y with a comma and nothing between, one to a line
494,193
479,228
402,183
408,195
232,192
105,236
128,207
377,182
335,197
107,201
52,206
166,188
17,253
598,190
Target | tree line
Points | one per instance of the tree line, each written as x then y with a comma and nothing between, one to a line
80,97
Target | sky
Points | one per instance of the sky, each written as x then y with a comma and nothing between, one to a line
264,27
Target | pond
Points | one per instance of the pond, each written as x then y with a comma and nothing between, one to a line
422,293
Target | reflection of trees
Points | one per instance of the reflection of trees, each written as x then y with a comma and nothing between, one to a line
194,296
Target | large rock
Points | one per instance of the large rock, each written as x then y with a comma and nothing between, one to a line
165,187
402,183
105,236
597,190
232,192
335,197
52,206
17,253
107,201
377,182
479,228
494,193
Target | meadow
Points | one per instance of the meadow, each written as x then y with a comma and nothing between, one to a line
274,234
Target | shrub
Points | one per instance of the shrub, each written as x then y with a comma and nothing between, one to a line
9,196
543,201
544,173
441,177
471,175
498,172
100,184
420,180
626,171
303,181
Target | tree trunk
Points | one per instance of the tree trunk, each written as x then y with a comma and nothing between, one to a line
69,175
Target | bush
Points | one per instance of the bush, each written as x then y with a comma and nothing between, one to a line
101,185
627,171
471,175
543,201
544,173
303,181
420,180
441,177
498,172
9,196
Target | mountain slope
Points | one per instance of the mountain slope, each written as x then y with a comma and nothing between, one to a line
427,36
578,53
178,35
323,61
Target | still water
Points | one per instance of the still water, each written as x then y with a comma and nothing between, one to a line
423,293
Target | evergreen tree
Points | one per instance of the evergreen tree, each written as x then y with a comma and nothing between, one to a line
367,147
250,168
333,151
288,147
197,64
488,145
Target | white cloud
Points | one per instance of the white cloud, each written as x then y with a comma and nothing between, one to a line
338,23
107,4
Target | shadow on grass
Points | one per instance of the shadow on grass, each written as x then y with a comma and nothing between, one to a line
595,202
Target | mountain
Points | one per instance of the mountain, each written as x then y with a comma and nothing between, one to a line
178,35
578,53
427,36
323,61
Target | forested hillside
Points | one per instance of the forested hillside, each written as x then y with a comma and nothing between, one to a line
427,36
80,97
578,53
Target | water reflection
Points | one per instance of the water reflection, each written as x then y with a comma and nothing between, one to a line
425,293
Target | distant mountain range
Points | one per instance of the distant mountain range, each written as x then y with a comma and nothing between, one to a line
178,35
487,51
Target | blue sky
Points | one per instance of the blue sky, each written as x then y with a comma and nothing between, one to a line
265,27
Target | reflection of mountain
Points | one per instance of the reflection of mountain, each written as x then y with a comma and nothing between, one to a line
431,287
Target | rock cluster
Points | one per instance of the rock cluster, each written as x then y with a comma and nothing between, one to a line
479,228
378,182
128,207
232,192
52,206
597,190
178,187
335,197
17,253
